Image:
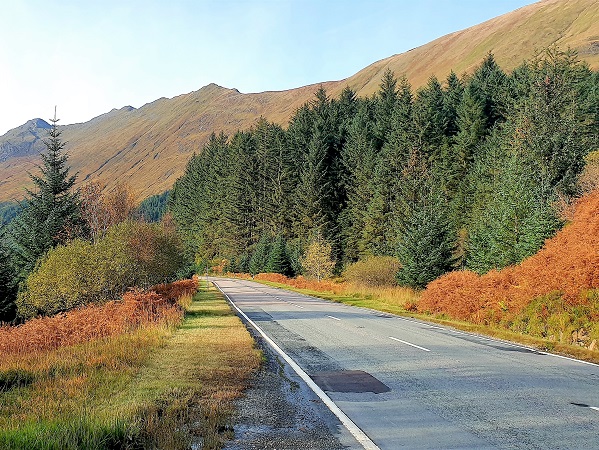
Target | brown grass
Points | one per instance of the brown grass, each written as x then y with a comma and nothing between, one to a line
136,309
568,264
394,299
152,387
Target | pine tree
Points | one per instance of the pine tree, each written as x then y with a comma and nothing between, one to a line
425,241
260,256
452,97
553,126
385,104
489,84
8,287
51,213
359,158
513,214
313,190
430,119
425,248
278,259
379,235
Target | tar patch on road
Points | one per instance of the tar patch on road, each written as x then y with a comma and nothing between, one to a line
356,381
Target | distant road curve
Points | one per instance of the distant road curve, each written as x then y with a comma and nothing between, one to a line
414,385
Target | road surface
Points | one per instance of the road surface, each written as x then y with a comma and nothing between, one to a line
415,385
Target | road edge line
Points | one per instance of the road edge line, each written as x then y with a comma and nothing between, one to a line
356,431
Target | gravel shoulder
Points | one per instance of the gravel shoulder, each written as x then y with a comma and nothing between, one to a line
279,411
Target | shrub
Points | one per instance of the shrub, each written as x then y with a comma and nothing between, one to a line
373,271
79,273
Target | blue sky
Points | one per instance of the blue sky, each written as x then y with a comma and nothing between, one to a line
90,56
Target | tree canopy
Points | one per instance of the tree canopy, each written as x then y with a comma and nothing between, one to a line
464,173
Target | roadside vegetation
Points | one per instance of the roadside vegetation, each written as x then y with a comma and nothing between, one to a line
100,347
128,374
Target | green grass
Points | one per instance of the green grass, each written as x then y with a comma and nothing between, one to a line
153,388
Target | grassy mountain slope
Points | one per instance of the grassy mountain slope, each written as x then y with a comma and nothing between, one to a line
149,147
512,38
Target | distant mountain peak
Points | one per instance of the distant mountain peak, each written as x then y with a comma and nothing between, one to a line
24,140
37,123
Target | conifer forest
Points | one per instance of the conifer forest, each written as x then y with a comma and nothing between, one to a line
472,172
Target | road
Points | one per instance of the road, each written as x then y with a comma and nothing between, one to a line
411,384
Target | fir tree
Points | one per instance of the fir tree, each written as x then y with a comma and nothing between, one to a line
452,97
359,158
8,287
260,256
489,84
278,259
430,119
385,104
424,242
51,213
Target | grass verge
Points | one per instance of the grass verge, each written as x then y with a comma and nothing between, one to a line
156,387
400,301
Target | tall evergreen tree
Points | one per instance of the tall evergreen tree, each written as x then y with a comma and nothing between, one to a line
278,259
517,218
489,86
359,158
552,124
260,256
8,287
51,213
452,97
385,104
430,118
425,242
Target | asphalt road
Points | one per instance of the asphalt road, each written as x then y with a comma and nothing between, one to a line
411,384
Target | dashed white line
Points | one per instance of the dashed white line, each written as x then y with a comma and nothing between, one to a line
408,343
594,407
298,306
336,318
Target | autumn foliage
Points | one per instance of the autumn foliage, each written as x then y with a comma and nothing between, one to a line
137,308
300,282
100,209
568,265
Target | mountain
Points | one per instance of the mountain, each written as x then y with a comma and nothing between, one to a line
25,140
148,147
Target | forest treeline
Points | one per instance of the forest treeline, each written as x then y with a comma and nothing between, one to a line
471,172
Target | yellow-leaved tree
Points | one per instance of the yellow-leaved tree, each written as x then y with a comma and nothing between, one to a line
317,261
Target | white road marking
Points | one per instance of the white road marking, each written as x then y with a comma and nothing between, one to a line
356,431
336,318
569,359
408,343
299,306
594,407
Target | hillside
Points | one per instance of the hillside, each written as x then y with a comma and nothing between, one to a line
149,147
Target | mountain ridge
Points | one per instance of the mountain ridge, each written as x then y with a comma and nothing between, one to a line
148,147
